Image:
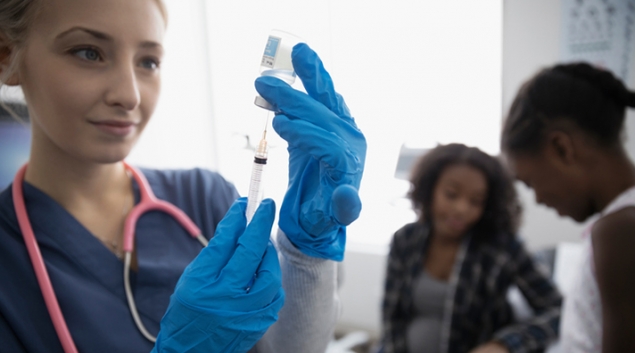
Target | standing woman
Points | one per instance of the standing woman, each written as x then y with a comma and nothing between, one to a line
563,138
449,273
90,73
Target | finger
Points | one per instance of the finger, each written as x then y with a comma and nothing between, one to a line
316,80
325,146
215,256
299,105
346,204
268,280
251,245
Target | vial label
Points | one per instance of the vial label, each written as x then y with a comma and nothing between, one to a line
269,57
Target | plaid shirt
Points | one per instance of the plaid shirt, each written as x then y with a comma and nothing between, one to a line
476,309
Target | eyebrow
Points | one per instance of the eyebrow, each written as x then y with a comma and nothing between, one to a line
104,36
96,34
150,45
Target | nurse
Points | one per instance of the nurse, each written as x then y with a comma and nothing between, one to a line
90,73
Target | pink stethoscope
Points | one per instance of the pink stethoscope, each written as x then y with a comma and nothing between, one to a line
148,202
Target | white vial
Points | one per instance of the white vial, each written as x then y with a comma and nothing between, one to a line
276,60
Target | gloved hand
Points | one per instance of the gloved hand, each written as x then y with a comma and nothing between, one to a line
326,157
218,305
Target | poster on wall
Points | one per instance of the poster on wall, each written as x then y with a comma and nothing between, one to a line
601,32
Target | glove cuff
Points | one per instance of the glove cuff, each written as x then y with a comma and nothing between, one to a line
329,247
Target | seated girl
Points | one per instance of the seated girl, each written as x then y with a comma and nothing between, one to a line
449,273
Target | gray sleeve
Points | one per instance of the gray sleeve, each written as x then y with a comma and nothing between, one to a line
307,320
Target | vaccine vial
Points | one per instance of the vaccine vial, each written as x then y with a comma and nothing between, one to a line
276,60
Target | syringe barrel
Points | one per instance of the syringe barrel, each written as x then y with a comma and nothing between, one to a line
255,192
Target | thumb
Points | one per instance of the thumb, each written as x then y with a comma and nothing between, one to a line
346,204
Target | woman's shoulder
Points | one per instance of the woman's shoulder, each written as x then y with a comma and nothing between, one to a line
410,234
617,221
409,230
613,239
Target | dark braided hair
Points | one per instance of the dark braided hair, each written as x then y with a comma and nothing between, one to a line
501,214
590,97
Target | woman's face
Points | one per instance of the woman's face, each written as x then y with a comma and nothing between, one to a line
90,75
458,200
554,185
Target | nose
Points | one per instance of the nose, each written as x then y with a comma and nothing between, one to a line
124,88
462,206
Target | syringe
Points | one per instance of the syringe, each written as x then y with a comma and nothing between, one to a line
255,192
276,62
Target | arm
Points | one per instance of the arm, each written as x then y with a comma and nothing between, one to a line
307,319
614,257
536,333
393,327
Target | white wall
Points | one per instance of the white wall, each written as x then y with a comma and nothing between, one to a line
362,290
180,134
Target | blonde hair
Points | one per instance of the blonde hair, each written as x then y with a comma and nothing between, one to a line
15,19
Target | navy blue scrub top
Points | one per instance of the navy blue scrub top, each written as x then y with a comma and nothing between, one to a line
87,277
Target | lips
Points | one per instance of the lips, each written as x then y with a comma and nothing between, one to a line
119,128
455,224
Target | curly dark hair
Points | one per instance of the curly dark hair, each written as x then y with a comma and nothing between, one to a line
501,215
592,98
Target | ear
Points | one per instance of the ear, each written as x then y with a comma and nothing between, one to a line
6,56
560,148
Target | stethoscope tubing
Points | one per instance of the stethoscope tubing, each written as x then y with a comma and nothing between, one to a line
50,299
148,202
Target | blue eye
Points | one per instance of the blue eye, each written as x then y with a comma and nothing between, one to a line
150,64
87,54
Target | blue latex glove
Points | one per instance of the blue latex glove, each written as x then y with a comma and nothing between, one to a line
218,305
326,157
